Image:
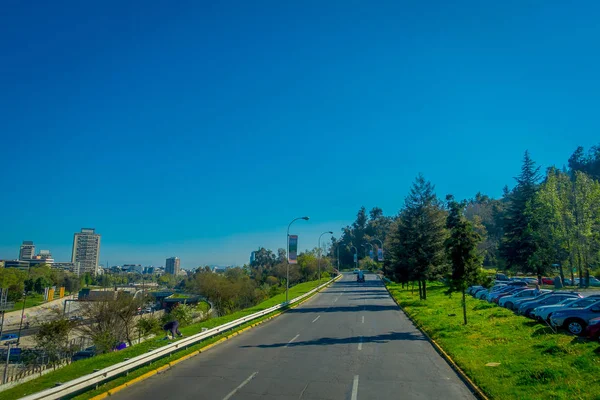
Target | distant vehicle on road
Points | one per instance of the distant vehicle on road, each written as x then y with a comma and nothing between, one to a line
356,271
360,277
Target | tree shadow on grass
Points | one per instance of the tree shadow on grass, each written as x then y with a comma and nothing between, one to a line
545,330
531,323
384,338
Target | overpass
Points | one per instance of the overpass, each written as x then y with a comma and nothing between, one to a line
350,341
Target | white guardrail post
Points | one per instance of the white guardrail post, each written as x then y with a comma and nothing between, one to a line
95,378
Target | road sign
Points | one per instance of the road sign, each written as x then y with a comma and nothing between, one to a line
379,254
371,254
355,257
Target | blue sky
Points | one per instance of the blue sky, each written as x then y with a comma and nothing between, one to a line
201,129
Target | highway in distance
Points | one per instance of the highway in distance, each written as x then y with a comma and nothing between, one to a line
351,341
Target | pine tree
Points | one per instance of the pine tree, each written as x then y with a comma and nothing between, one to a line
461,249
418,237
518,243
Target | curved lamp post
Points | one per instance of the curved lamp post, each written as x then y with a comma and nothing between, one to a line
287,245
324,233
356,262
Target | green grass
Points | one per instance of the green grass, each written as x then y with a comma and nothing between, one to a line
32,301
534,362
83,367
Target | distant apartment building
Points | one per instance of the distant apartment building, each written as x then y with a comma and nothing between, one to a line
86,250
67,266
43,257
172,266
27,250
132,268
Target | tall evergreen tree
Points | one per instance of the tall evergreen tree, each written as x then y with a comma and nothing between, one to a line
518,243
418,237
462,252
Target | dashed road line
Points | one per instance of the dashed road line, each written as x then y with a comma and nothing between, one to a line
240,386
360,343
315,320
363,319
355,388
294,338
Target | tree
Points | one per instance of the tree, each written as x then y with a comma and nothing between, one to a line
461,249
518,243
418,237
53,338
588,164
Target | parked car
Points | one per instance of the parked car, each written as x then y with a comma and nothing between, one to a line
554,298
76,318
83,354
501,278
517,283
508,301
506,289
543,313
547,281
495,296
481,294
8,338
593,329
575,320
517,303
356,270
472,289
530,280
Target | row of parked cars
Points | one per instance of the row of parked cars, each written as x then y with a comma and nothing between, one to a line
562,309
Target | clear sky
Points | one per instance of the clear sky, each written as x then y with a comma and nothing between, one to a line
200,129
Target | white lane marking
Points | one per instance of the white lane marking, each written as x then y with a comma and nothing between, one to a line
336,299
315,320
294,338
360,343
355,388
363,319
239,387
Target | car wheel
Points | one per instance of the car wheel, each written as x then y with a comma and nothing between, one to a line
527,312
508,305
575,326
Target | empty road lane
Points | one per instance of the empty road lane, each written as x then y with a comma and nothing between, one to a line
350,341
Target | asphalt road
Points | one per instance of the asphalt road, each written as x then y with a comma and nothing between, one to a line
350,341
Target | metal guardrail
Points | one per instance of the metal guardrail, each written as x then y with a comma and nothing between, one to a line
95,378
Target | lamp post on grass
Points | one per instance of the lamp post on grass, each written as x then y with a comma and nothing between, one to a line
319,262
287,280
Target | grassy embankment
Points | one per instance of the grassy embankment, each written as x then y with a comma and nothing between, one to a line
83,367
534,362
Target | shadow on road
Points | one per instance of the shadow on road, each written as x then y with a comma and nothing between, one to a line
384,338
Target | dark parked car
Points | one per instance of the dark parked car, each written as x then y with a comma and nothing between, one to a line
554,298
593,329
83,354
575,320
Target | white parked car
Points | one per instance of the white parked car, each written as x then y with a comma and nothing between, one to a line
508,301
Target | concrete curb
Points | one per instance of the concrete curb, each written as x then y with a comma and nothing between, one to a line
195,353
472,386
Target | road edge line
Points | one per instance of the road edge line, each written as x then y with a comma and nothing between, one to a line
168,366
463,376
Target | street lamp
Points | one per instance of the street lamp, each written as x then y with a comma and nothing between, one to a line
324,233
381,243
368,244
23,309
287,280
355,262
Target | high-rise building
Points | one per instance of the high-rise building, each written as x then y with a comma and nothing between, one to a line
86,250
27,250
172,266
